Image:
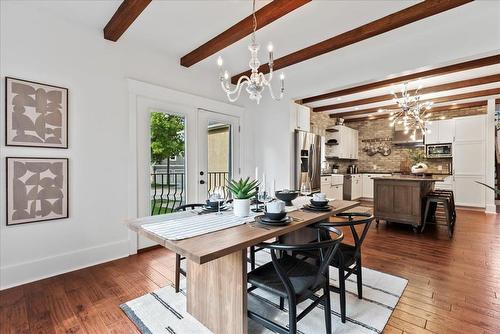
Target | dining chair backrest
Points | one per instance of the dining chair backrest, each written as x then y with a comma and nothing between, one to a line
188,207
353,219
326,248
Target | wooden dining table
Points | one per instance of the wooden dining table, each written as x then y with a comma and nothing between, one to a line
217,264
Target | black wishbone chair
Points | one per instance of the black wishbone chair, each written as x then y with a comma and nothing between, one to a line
348,258
287,276
178,258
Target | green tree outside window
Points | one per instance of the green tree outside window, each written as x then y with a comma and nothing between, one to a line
167,137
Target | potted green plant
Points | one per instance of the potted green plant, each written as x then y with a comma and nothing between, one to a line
243,191
417,156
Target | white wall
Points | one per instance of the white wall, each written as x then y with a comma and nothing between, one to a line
38,46
273,140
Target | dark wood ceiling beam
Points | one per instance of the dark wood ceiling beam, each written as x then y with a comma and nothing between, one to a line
481,93
124,16
267,14
434,110
426,90
390,22
468,65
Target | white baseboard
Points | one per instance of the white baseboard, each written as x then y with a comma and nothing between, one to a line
491,208
26,272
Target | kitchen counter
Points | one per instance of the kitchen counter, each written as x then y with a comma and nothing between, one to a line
395,172
433,178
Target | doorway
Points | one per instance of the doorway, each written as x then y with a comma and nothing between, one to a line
183,155
217,159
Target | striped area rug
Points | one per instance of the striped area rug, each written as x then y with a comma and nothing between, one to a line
164,311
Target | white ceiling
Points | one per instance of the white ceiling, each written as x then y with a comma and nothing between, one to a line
175,28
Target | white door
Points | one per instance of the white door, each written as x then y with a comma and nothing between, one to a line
218,160
164,183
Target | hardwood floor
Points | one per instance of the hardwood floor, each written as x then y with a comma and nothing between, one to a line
454,286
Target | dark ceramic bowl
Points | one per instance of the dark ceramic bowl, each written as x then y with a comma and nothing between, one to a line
214,204
287,196
319,203
275,216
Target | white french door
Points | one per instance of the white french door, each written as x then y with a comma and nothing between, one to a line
218,156
210,155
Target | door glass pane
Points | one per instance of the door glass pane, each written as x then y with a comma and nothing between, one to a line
168,168
219,156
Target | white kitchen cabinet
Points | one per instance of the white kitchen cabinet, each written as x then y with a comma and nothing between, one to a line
302,117
367,186
469,158
356,186
353,187
332,186
347,139
447,184
446,131
354,144
470,128
468,192
332,191
336,191
432,135
440,132
326,179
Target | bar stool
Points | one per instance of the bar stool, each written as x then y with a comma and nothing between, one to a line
446,199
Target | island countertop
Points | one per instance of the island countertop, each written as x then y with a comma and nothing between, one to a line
434,178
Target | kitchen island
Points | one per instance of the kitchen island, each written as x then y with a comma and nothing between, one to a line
400,198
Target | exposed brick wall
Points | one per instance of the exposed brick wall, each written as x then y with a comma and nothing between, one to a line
379,128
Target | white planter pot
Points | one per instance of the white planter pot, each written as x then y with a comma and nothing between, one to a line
419,168
241,207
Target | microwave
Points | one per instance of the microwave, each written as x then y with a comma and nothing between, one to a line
438,151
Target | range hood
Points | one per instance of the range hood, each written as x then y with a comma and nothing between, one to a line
400,138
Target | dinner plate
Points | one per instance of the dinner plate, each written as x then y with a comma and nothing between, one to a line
317,208
266,221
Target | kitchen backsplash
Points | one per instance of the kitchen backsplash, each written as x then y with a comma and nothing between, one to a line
379,128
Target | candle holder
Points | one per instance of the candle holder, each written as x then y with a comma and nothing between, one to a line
257,207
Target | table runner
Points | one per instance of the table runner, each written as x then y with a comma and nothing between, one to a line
191,224
187,224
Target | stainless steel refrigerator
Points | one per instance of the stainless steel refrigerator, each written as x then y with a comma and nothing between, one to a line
307,159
